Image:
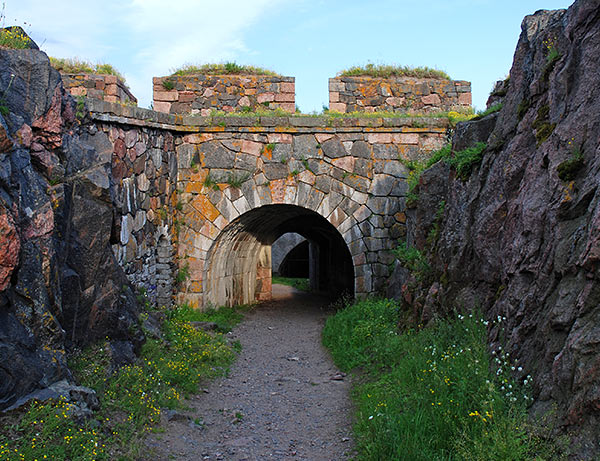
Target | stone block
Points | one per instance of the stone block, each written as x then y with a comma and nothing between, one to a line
285,97
379,138
334,96
431,100
287,87
337,107
162,107
464,99
169,96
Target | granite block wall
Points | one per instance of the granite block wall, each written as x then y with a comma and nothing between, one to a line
108,88
397,94
200,94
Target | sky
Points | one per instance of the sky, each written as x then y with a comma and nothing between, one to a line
311,40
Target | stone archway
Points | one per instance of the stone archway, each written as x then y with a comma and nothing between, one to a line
238,267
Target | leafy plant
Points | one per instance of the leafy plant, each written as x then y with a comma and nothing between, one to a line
294,173
183,274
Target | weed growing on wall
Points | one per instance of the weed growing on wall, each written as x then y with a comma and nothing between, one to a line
431,394
78,66
226,68
387,71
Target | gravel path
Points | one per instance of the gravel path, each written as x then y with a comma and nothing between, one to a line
284,398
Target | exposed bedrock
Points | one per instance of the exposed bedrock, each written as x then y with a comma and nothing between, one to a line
521,237
60,285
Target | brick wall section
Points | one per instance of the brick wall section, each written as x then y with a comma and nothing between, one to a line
347,170
398,94
200,94
108,88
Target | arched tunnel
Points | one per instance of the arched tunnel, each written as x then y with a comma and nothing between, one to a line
238,268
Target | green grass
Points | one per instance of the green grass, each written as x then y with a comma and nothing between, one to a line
227,68
387,71
225,317
413,260
567,170
14,38
465,160
131,398
77,66
430,394
298,283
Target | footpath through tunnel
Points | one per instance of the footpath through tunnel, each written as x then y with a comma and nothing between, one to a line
238,268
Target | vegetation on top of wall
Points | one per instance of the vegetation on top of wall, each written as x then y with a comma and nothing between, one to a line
386,71
434,393
78,66
227,68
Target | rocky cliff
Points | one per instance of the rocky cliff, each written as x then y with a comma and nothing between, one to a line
60,285
520,237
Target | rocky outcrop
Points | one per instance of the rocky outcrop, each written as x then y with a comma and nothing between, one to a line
59,282
520,238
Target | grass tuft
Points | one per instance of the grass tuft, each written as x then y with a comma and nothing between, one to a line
227,68
301,284
387,71
78,66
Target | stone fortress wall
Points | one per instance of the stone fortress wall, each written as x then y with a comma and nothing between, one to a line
108,88
201,94
397,94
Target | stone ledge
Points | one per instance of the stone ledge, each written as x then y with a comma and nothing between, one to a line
128,115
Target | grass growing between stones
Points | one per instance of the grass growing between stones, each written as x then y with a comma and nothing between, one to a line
131,398
387,71
431,394
297,283
226,68
77,66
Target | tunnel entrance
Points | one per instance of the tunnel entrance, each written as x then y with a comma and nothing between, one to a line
238,268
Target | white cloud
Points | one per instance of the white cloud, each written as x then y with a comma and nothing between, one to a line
142,38
188,31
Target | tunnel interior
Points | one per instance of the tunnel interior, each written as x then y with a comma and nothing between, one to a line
238,268
296,263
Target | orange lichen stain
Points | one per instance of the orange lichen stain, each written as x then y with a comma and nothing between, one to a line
205,207
194,187
285,129
195,286
567,197
277,188
256,129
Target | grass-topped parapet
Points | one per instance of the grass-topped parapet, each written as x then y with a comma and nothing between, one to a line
391,88
97,81
229,87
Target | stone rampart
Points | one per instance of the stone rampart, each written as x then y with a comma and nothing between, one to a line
201,94
397,94
108,88
347,172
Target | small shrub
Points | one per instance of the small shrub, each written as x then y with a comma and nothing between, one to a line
413,260
567,170
464,160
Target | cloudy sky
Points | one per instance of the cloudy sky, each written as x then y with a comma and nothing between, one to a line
308,39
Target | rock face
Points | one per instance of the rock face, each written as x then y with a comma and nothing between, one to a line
521,237
59,282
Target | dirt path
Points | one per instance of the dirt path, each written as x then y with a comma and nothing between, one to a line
283,399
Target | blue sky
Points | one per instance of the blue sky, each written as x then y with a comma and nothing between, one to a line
311,40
